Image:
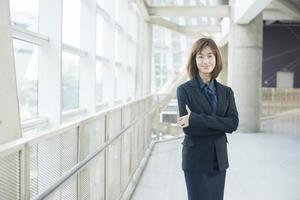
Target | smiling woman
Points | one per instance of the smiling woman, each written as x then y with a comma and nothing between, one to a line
207,112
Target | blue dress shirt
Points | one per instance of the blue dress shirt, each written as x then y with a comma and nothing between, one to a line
209,91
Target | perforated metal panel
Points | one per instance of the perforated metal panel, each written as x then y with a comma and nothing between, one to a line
50,159
92,136
113,179
10,177
91,180
67,191
125,158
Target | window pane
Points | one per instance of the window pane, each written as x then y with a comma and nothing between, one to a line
117,45
26,62
71,22
70,81
177,58
99,35
99,80
25,13
100,3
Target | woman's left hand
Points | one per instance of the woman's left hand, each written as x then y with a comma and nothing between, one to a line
183,121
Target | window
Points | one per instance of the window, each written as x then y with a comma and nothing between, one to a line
100,3
117,45
70,81
25,13
99,36
71,22
26,62
177,58
99,81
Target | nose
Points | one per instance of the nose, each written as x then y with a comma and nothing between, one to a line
205,60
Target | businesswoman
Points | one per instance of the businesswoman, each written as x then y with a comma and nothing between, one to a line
207,112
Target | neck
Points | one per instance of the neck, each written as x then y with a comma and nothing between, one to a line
205,77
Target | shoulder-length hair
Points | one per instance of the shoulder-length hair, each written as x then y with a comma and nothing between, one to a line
197,47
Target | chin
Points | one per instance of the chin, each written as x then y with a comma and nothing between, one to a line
206,71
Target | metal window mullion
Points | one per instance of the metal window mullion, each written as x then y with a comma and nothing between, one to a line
102,59
35,123
104,14
73,50
29,36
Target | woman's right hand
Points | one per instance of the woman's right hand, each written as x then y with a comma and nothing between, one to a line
183,121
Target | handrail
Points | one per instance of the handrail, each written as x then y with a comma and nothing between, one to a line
15,145
76,168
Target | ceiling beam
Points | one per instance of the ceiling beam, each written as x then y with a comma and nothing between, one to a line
287,7
188,30
277,15
197,11
142,6
245,11
221,38
201,29
165,23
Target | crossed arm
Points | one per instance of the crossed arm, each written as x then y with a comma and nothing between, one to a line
189,119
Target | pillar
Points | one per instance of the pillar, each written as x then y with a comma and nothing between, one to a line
244,72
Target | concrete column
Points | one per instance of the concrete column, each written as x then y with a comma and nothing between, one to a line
9,110
224,73
244,71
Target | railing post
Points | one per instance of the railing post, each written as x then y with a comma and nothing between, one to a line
106,134
25,172
79,133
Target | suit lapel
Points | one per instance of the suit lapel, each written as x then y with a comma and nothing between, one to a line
220,96
200,96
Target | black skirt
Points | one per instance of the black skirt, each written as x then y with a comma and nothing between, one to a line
206,186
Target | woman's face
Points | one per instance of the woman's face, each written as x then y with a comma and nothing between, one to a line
206,61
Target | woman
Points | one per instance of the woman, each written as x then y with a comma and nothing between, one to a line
207,112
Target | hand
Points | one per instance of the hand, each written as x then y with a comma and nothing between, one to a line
183,121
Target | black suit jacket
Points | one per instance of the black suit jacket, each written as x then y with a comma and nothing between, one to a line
206,131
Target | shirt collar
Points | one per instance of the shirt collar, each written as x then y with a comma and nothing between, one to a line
202,85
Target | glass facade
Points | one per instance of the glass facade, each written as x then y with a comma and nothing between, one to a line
87,51
26,62
70,81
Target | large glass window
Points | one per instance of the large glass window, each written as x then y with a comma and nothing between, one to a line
99,81
25,13
100,3
70,81
117,45
26,62
71,22
99,36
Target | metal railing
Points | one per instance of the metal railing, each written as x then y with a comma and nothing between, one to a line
92,158
278,100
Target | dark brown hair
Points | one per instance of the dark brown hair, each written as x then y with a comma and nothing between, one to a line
198,46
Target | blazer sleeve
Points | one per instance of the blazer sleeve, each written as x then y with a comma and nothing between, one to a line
182,101
228,123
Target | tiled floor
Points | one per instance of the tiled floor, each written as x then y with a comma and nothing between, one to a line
262,167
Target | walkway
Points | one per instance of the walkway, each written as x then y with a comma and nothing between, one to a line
262,167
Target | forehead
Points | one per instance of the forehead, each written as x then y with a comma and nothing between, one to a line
206,50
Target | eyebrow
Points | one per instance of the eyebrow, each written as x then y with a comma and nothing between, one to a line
207,53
